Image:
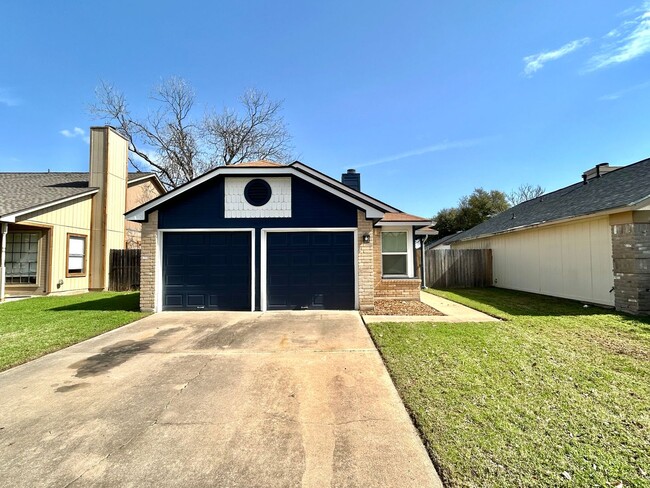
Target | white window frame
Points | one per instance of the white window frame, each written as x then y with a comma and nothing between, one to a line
409,252
84,270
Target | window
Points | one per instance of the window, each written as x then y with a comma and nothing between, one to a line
21,258
76,255
394,253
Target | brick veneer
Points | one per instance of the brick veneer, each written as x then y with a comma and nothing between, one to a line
631,256
366,267
148,263
392,288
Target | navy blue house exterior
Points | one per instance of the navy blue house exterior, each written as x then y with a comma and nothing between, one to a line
266,236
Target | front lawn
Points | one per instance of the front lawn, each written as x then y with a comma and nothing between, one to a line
33,327
557,394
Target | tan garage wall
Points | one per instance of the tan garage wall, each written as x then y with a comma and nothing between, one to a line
73,218
572,260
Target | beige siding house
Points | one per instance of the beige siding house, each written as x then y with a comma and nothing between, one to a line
58,228
588,241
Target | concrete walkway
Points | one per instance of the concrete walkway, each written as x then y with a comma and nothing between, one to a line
453,312
296,399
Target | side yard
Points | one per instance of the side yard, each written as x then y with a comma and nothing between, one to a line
555,394
36,326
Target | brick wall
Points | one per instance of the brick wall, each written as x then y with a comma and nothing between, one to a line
148,263
392,288
366,263
631,255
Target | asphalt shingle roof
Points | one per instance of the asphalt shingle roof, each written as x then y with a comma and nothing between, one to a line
22,191
619,188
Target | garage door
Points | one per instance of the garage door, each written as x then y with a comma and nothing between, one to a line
207,271
310,270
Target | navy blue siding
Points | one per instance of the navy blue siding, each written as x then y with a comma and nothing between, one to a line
202,207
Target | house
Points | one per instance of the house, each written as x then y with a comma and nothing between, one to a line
58,228
267,236
440,244
589,241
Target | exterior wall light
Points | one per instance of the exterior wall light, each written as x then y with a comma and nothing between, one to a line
366,238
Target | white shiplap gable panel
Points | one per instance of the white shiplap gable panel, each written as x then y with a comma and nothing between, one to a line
236,206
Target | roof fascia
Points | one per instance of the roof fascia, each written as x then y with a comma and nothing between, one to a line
12,216
139,214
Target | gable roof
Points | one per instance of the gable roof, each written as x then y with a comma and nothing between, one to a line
373,207
25,192
622,189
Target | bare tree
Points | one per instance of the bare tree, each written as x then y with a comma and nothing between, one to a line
258,133
525,192
178,146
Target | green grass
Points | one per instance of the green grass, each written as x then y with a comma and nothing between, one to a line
555,388
36,326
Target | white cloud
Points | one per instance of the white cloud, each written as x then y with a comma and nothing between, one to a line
76,132
8,99
443,146
535,62
618,94
628,41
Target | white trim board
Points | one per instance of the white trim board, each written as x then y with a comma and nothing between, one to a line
139,214
264,232
159,260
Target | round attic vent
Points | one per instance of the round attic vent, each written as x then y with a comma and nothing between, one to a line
257,192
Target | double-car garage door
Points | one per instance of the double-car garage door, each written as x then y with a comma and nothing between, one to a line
213,270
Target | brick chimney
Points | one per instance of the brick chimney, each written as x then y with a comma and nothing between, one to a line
109,155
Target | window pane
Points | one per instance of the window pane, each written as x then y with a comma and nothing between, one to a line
394,264
75,264
77,246
393,242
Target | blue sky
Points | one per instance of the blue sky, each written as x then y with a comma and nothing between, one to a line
427,99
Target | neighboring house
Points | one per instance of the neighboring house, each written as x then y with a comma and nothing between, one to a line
589,241
442,243
58,228
267,236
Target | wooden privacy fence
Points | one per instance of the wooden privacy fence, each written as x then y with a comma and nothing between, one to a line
458,268
124,271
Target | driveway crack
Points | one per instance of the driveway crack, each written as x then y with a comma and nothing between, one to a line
143,430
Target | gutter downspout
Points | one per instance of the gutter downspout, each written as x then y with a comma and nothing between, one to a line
3,266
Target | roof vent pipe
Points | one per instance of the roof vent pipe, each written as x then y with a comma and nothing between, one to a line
352,179
584,179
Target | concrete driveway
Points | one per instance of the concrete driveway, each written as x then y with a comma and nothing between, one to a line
212,399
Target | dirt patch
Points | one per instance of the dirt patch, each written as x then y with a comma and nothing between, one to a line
402,307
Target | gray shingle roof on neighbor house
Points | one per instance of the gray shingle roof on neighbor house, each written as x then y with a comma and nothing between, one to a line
622,187
23,191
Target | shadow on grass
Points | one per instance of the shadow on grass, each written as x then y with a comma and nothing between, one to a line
521,303
123,303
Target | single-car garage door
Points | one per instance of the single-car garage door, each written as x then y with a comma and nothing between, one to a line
206,271
310,270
